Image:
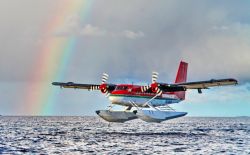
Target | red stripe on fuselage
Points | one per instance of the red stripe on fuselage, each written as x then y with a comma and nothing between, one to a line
133,90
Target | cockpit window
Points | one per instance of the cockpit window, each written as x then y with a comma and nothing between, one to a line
121,88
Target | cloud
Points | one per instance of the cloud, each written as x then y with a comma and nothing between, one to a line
223,27
72,26
132,35
89,30
234,28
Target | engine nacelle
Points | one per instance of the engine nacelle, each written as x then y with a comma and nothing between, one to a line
103,88
154,87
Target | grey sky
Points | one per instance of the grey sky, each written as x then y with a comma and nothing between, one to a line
127,39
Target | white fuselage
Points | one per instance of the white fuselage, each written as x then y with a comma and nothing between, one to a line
125,100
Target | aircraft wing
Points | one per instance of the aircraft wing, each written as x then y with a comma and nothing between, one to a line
110,87
196,85
207,84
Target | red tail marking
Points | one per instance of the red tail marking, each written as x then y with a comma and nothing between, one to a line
181,77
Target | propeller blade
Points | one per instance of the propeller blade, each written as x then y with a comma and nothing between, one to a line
159,92
107,94
154,80
144,88
103,87
154,77
105,77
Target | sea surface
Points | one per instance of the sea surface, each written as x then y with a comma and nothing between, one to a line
92,135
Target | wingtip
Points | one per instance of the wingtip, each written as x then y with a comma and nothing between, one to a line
235,81
55,83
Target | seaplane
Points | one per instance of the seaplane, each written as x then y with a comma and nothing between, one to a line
150,103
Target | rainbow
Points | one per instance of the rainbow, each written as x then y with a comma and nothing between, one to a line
53,57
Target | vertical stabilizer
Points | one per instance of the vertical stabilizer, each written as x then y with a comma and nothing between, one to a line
181,77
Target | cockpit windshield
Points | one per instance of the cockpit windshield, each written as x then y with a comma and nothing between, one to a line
121,88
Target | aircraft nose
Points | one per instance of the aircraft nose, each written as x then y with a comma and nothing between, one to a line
97,112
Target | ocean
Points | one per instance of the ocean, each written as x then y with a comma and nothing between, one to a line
92,135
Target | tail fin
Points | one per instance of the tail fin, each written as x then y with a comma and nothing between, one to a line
181,77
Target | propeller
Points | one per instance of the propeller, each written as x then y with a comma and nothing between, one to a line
105,77
144,88
104,87
155,86
158,88
154,77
